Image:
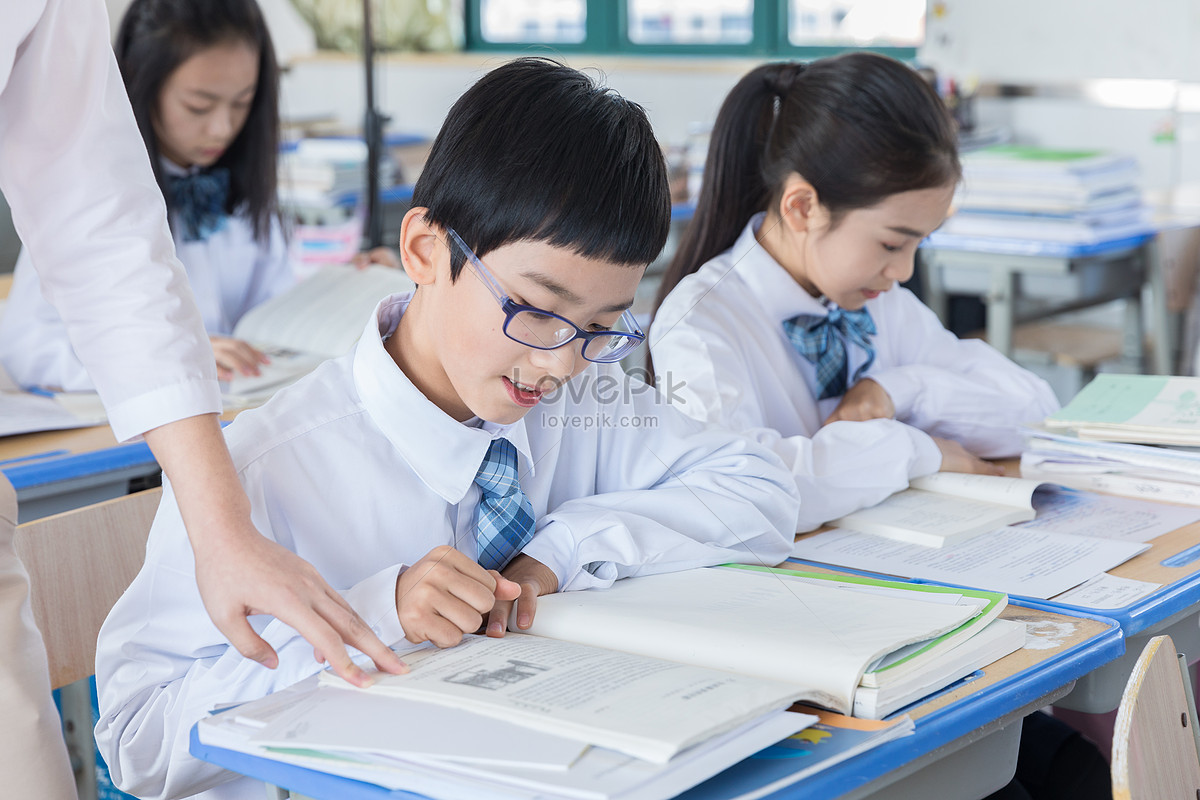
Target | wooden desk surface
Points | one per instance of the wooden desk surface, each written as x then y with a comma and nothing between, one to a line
76,440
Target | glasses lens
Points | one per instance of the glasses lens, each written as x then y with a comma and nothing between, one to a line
610,347
538,330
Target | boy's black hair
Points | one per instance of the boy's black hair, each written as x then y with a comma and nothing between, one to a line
537,151
155,37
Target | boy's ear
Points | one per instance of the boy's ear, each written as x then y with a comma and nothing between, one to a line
421,246
799,205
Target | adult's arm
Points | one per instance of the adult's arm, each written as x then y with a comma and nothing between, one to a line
76,174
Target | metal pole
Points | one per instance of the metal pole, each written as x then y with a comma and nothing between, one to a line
373,135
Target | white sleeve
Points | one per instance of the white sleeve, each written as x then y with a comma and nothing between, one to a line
75,172
670,494
961,389
274,273
34,347
161,665
841,468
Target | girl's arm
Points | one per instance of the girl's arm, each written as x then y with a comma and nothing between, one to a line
961,389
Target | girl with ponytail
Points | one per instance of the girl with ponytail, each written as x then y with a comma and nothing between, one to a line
780,315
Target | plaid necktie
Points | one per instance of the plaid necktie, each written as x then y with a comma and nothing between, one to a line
504,516
822,340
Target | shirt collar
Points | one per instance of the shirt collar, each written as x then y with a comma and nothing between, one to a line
780,296
444,453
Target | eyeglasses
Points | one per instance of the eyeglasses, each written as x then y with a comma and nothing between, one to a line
543,330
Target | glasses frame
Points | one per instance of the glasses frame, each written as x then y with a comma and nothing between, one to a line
511,308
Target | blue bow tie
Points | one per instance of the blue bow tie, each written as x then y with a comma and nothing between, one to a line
199,201
822,340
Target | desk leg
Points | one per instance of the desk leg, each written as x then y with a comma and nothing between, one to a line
1133,350
933,289
1000,311
1160,316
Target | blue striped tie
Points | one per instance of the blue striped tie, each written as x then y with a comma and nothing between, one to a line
822,340
504,516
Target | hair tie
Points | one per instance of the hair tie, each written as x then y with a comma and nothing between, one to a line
781,83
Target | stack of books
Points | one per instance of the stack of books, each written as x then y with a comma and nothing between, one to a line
316,175
1066,196
1135,435
641,690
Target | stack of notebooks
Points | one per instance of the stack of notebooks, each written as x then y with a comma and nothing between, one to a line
1065,196
1135,435
638,691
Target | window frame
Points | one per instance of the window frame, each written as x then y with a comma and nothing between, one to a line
606,32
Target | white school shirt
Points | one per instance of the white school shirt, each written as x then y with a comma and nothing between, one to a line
357,472
75,172
229,273
721,355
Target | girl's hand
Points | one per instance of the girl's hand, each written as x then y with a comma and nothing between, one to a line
235,357
384,256
956,458
864,400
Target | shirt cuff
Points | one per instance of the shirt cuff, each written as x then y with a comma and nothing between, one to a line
927,457
902,384
571,575
374,599
162,406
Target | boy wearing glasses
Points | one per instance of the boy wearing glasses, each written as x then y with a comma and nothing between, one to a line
445,469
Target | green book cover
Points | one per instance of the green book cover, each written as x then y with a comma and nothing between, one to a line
993,604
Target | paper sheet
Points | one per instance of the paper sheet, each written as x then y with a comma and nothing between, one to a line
1107,591
1087,514
1014,560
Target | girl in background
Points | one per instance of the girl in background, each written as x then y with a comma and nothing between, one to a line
202,79
780,315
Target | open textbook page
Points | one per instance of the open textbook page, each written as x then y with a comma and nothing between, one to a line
447,757
770,624
946,507
647,708
915,658
317,319
27,412
1017,560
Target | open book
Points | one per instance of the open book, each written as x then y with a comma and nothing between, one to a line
946,507
724,628
27,412
317,319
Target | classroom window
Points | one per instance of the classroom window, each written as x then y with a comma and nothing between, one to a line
791,28
690,21
887,23
533,21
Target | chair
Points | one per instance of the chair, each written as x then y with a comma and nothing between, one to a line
79,563
1155,754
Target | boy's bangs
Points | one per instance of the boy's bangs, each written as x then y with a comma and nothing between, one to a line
535,151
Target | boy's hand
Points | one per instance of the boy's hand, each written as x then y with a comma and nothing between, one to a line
235,357
446,594
956,458
535,579
864,400
384,256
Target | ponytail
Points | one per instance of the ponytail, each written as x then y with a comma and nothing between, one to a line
859,127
